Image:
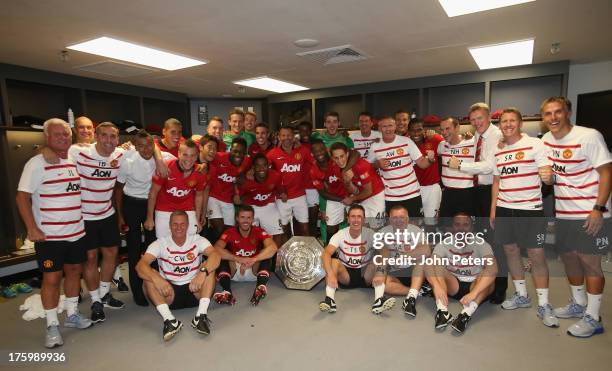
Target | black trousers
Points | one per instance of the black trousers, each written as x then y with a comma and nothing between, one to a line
482,209
135,214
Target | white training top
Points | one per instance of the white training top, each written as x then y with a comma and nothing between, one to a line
179,264
98,176
136,174
517,165
354,252
575,158
464,151
399,179
56,198
363,144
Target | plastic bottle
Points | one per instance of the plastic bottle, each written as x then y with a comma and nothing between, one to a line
71,117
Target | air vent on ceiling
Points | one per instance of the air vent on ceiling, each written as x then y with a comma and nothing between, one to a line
117,69
338,54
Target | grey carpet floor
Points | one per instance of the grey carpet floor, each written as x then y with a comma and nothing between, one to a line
287,332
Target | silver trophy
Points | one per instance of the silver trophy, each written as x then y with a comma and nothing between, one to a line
298,263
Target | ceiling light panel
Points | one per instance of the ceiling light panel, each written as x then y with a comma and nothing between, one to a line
454,8
508,54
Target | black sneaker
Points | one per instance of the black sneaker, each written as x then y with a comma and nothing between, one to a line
260,292
409,306
426,289
120,284
110,302
201,324
171,328
382,304
461,322
443,319
328,305
97,312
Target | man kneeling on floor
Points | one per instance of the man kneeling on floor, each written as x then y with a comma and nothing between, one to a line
354,266
182,281
464,270
246,251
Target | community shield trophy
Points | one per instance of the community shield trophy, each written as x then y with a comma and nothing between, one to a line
298,263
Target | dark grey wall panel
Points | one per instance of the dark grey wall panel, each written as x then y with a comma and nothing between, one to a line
454,100
389,102
348,107
525,94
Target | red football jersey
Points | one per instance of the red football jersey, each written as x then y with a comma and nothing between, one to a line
431,175
256,148
292,168
332,176
248,246
261,194
223,176
364,173
178,192
307,165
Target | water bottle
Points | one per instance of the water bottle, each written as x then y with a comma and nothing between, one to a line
71,117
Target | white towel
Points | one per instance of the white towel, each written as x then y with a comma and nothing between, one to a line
34,309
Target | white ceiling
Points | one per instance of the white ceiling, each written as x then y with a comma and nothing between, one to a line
246,38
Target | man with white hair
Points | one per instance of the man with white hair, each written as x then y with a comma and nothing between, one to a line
49,202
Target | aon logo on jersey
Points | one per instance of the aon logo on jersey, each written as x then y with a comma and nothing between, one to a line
243,252
73,187
101,173
290,168
178,192
182,270
260,197
227,178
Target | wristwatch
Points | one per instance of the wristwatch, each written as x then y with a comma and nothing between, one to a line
204,270
601,208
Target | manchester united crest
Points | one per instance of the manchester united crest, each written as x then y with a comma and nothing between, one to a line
114,163
400,151
191,183
465,151
520,155
48,263
190,256
567,154
298,156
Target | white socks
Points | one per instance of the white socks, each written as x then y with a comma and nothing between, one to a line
117,274
330,291
164,310
104,288
470,308
379,291
594,302
441,306
579,294
71,305
95,295
542,297
413,293
203,308
52,317
520,287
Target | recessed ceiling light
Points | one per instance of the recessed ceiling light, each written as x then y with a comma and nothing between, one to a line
454,8
125,51
270,84
513,53
306,43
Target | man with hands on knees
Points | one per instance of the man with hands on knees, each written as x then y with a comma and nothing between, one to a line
182,280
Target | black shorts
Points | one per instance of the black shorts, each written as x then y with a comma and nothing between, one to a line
455,200
464,288
183,298
52,255
570,236
102,233
526,228
356,279
404,275
413,205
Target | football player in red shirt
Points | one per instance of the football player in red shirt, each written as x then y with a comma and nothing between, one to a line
312,196
262,140
172,137
177,193
245,252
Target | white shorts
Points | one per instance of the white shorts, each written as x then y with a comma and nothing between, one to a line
312,197
268,218
335,212
248,275
431,196
162,223
217,209
294,207
375,210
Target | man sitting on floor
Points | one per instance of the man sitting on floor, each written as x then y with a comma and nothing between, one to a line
246,251
464,273
182,281
354,266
